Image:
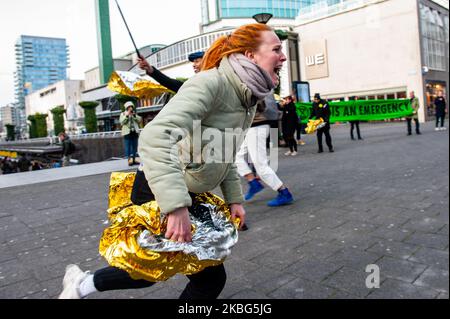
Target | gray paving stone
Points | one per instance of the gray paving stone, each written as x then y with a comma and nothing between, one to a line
350,281
428,240
20,289
354,258
302,289
6,253
444,230
400,269
396,289
426,225
433,257
12,272
314,269
391,233
278,258
249,294
394,248
434,277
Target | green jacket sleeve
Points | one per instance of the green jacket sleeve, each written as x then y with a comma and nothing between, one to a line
157,143
123,119
231,187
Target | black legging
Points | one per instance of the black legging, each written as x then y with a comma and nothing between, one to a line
207,284
290,142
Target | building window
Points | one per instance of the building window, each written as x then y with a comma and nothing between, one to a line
434,38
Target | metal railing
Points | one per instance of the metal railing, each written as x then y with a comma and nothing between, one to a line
54,139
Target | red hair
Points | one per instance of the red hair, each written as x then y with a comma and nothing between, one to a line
245,38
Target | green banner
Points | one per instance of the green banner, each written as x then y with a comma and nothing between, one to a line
360,110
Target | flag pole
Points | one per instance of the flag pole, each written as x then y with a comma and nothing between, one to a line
135,47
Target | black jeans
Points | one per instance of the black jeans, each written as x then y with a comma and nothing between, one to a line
324,130
353,125
207,284
408,121
440,118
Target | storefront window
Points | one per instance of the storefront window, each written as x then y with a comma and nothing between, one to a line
401,95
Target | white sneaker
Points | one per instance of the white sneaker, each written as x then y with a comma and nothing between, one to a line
443,128
71,282
437,129
288,153
294,153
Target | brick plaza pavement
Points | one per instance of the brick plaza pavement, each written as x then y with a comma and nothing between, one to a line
383,201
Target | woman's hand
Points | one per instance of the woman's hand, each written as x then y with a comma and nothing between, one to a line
179,226
144,65
238,211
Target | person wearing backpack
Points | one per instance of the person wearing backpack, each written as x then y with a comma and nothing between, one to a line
68,148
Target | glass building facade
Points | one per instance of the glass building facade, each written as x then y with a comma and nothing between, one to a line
435,37
40,62
213,10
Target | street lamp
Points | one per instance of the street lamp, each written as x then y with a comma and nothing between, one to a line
262,17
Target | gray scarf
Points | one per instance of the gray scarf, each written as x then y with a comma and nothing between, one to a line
252,75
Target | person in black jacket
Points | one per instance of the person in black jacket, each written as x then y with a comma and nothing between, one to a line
68,148
440,109
321,109
141,192
289,122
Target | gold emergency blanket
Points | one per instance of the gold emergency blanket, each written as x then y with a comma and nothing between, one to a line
132,84
314,125
135,240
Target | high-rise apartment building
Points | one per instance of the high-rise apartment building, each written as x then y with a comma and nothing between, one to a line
40,61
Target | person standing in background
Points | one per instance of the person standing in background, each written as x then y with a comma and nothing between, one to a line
354,124
130,122
440,111
415,105
289,122
321,109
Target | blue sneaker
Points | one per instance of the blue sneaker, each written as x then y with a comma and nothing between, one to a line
284,197
254,187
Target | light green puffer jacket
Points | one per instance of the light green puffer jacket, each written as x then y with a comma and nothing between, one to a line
221,101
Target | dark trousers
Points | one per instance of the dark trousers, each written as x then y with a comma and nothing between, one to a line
298,129
290,142
408,121
324,130
141,192
353,125
207,284
131,144
440,118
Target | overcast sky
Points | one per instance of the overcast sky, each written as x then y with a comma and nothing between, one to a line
150,21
